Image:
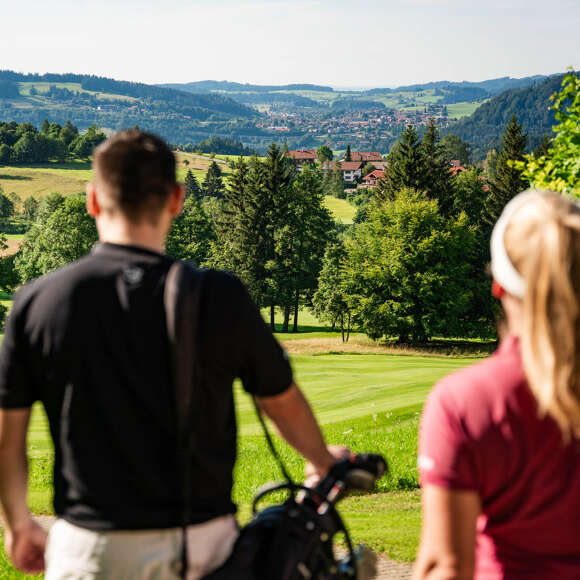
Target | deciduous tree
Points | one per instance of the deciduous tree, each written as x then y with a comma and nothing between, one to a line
558,168
66,235
405,271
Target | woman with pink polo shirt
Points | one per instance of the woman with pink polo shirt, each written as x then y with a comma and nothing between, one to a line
499,451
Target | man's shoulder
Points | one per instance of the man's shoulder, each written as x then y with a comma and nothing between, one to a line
58,280
222,283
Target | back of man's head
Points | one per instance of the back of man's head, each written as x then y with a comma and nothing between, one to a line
134,173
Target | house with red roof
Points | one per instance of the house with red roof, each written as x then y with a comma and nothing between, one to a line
303,157
371,179
351,170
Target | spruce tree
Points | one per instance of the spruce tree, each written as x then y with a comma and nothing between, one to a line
213,185
405,166
508,180
437,175
347,156
192,188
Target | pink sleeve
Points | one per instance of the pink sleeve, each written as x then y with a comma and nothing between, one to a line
446,455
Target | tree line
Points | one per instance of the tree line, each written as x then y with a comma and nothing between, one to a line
22,143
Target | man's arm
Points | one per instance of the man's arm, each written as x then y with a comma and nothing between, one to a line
25,540
447,549
293,417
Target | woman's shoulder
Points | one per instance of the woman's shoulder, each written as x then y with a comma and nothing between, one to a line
486,387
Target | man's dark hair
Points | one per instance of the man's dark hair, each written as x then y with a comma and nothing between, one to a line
136,172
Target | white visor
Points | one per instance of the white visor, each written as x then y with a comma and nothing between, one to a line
502,268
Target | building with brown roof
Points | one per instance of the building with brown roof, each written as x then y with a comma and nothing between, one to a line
371,179
303,157
365,156
351,170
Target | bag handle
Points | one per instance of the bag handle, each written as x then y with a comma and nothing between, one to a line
182,300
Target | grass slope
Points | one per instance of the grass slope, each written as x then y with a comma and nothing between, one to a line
67,178
340,208
368,402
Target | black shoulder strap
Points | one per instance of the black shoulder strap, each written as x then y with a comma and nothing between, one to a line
182,299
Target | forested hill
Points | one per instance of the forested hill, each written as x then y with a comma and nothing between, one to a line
86,100
227,86
483,88
483,129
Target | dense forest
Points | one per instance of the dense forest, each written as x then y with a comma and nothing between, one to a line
531,106
489,87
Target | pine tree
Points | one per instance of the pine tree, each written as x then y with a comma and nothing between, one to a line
300,243
347,155
437,175
191,186
508,180
405,166
213,185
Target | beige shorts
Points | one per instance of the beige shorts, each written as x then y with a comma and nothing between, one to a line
74,553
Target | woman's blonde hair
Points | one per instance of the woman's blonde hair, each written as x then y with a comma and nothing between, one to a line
543,243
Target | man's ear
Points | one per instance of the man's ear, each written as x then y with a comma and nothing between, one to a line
93,207
176,198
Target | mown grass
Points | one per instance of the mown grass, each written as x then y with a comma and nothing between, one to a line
340,208
368,402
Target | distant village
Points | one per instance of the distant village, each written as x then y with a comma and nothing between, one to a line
364,169
359,127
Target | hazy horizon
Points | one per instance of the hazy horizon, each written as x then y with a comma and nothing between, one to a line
385,43
337,88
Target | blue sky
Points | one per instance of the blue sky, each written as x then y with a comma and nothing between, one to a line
332,42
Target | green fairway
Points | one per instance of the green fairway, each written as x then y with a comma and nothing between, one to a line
340,208
368,402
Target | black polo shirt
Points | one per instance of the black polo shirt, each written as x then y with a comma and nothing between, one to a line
90,342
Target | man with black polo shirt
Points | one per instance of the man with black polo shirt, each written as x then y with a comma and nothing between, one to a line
90,342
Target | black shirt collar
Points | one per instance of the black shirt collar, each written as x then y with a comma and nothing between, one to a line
125,250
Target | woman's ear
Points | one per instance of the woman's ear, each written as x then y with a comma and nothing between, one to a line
497,290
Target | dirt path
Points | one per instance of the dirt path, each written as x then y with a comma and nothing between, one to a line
387,569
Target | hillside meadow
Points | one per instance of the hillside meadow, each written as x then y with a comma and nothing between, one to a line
68,178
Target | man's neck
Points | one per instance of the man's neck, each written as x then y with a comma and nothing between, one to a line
144,236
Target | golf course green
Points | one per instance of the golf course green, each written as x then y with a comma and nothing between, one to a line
370,402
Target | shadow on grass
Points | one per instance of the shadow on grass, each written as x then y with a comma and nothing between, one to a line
304,329
445,346
9,177
73,165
